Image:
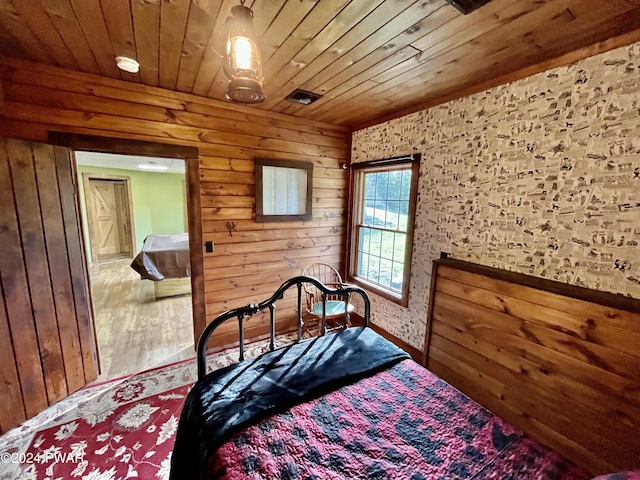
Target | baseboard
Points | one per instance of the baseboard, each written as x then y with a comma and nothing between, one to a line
415,353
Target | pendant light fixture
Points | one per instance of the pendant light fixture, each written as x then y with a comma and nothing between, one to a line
242,63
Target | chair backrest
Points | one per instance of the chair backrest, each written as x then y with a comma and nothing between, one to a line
323,272
327,275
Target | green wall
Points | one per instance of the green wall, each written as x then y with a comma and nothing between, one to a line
158,202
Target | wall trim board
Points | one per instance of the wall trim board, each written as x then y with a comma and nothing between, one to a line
196,243
94,143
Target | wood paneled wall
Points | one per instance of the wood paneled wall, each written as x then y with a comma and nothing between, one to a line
560,362
47,347
252,259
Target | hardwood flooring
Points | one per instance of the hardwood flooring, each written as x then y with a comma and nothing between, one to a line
134,330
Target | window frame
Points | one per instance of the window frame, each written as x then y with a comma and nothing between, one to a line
356,205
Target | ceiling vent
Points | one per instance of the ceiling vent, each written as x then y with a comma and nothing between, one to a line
303,97
467,6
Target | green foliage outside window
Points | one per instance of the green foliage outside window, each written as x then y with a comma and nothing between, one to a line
382,231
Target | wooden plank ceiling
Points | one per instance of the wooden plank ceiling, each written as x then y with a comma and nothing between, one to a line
371,59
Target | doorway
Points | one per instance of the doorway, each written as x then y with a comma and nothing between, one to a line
128,198
109,216
92,143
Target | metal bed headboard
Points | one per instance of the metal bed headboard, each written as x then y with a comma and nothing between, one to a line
251,309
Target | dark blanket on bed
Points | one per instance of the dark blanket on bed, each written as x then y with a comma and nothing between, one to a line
236,396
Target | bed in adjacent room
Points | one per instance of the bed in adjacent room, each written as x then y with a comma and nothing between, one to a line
352,405
164,259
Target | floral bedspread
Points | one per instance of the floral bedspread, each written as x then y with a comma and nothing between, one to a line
401,423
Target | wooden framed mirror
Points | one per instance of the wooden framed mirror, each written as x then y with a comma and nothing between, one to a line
283,190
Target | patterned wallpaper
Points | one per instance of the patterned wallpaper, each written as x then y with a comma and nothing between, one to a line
540,176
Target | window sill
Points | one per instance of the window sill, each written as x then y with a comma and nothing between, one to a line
374,288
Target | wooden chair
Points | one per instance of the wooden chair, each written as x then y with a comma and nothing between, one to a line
337,306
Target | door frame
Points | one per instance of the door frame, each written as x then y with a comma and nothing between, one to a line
192,176
86,179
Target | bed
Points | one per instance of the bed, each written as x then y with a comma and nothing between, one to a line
164,259
350,404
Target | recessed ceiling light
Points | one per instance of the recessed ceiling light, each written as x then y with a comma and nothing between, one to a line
127,64
153,168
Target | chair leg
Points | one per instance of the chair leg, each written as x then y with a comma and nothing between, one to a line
309,325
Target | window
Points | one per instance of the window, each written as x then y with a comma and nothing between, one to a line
381,227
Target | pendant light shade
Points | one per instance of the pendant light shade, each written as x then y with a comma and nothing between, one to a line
243,65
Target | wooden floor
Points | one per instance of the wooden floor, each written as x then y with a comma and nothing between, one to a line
134,330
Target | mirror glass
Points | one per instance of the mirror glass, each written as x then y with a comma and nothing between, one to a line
283,190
